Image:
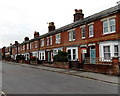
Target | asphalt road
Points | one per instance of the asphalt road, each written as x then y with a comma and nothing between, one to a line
25,80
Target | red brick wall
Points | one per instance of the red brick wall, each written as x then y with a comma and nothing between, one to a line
98,30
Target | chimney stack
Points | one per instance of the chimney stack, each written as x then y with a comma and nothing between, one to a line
36,34
26,39
78,15
51,26
16,42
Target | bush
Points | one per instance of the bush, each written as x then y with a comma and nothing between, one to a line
20,57
61,57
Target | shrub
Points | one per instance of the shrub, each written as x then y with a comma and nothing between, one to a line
20,57
61,57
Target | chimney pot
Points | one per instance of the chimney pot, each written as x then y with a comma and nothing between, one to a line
78,15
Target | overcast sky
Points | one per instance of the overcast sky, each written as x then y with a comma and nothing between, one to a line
20,18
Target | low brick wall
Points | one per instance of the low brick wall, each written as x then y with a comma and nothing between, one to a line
99,68
112,69
64,65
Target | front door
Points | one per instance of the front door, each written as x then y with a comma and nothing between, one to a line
92,56
49,57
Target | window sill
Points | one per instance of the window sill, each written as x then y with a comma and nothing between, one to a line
57,43
90,36
71,40
108,33
83,37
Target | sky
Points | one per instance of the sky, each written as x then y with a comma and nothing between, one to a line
20,18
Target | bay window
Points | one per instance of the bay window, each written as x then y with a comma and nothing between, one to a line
72,53
42,55
109,49
106,51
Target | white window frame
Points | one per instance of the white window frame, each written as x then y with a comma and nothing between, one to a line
117,50
107,52
19,48
82,32
56,50
89,27
36,44
26,56
27,46
58,38
23,47
41,55
31,45
111,44
71,49
71,34
108,26
42,42
50,40
35,54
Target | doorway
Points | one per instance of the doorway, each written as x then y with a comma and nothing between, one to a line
92,56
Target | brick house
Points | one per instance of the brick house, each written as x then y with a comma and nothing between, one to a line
96,36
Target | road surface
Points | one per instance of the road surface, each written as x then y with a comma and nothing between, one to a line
25,80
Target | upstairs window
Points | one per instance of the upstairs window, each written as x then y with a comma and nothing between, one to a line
18,48
83,33
42,42
91,31
109,26
112,25
27,46
30,45
50,40
47,41
36,44
23,47
72,35
58,38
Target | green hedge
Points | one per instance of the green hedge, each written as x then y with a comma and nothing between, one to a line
61,57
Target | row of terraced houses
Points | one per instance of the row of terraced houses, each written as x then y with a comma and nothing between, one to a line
96,36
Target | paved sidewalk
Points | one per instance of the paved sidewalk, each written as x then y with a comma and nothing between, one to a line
89,75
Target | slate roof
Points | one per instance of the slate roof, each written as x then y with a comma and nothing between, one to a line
88,19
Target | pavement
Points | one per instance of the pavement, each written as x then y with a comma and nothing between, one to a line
78,73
